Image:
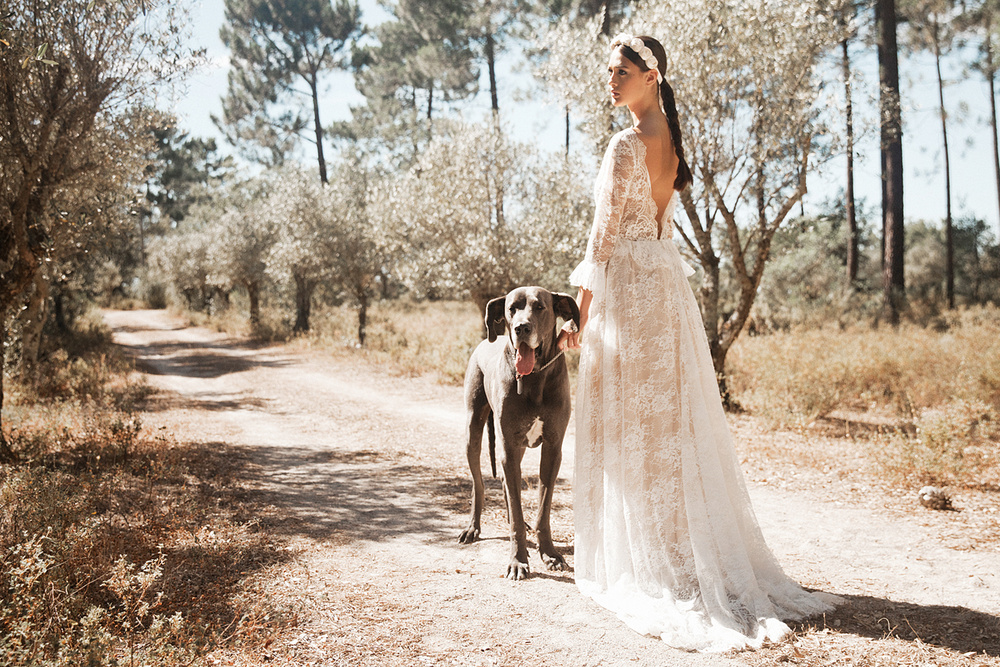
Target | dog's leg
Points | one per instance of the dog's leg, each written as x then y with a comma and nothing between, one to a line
548,472
511,464
478,411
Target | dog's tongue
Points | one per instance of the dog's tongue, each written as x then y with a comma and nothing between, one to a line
525,362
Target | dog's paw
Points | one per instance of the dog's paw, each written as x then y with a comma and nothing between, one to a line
517,570
554,562
469,535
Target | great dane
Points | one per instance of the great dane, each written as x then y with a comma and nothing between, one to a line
517,384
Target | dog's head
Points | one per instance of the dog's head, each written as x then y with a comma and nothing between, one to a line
529,315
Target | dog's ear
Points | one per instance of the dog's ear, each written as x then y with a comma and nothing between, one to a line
565,307
496,322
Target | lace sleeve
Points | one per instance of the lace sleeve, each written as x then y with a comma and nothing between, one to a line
610,194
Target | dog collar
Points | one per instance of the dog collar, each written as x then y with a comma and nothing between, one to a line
561,353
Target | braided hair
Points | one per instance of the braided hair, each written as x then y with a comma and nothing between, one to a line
669,104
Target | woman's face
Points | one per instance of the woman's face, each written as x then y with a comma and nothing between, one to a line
626,82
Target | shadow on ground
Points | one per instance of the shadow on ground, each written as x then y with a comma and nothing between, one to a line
342,496
362,495
955,628
194,361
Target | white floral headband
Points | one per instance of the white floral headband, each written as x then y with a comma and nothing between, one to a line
637,45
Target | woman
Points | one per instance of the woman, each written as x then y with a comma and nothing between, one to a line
665,534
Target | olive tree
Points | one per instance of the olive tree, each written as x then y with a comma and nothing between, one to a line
300,213
479,214
244,236
74,82
360,245
750,100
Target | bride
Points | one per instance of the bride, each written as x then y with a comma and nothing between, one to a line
665,534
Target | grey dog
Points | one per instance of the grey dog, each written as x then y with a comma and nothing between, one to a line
517,384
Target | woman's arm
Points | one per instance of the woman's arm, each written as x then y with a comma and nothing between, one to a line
569,338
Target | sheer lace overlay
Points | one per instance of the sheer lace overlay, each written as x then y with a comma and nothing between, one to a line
665,532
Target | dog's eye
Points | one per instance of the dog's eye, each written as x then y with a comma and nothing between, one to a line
538,305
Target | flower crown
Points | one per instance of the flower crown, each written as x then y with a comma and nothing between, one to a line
637,45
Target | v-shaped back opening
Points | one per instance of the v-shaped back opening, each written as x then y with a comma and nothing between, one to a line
660,213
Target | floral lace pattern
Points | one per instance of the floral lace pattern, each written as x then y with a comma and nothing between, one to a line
665,533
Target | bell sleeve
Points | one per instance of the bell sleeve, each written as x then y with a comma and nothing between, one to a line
610,195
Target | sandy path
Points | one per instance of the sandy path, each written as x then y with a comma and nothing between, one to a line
369,470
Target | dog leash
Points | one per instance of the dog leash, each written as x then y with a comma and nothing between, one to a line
519,377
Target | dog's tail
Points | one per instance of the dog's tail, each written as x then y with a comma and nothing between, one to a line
493,443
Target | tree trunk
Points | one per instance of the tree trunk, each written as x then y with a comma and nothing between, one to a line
362,317
849,208
319,130
949,242
59,310
567,131
430,116
33,319
253,292
303,302
6,454
893,281
492,66
990,75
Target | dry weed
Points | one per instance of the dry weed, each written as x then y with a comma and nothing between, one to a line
116,545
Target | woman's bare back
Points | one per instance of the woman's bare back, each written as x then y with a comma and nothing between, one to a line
661,165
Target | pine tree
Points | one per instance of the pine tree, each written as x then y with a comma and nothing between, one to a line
423,58
278,45
893,281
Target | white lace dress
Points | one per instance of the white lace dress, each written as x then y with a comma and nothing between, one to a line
665,534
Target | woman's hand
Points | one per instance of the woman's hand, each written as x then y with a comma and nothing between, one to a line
569,337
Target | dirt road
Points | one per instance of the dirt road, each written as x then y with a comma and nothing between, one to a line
367,474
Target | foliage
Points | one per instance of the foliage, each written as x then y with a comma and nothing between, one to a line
749,98
805,281
71,124
360,249
182,262
278,45
241,241
178,177
465,237
300,212
421,59
63,164
977,267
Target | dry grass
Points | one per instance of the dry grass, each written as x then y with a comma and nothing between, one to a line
118,546
411,338
928,399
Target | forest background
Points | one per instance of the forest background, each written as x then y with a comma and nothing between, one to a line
371,172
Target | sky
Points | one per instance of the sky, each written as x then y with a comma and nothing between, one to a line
539,120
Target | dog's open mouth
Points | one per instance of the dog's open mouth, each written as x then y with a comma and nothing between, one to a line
525,359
